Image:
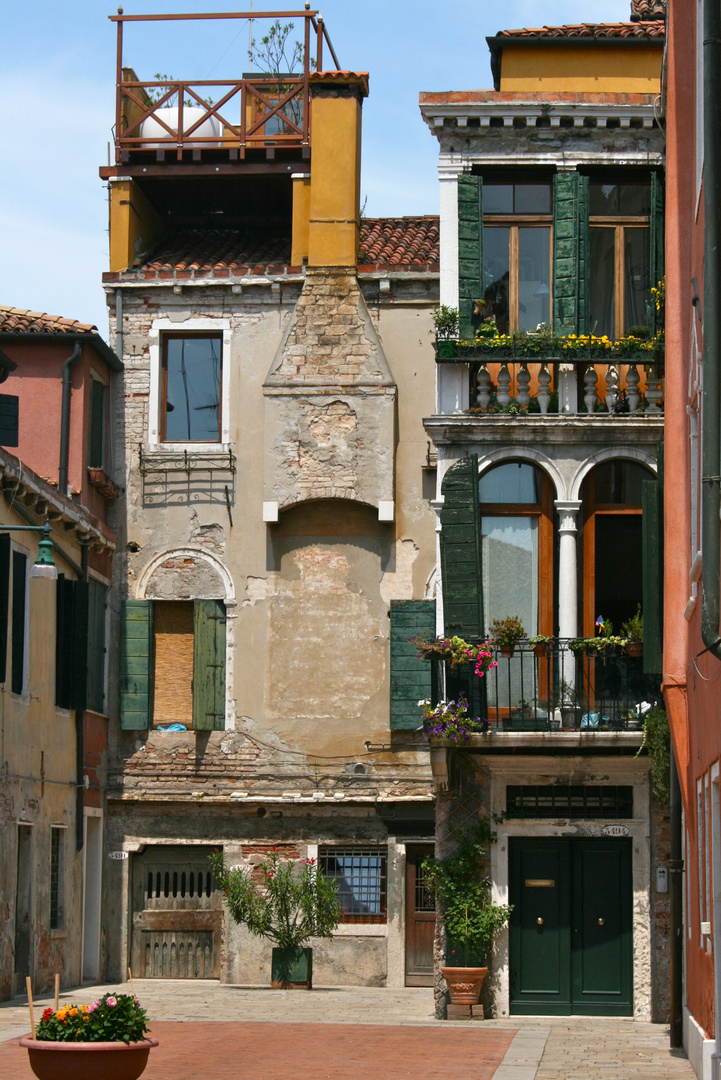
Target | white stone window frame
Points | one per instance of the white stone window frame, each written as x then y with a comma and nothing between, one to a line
190,327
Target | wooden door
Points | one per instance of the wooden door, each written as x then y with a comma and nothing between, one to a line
420,919
570,930
177,915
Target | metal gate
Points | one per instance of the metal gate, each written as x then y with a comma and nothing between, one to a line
177,915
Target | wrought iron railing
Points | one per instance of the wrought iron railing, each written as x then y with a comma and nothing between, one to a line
555,688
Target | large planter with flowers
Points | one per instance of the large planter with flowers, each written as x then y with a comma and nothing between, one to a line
105,1040
286,901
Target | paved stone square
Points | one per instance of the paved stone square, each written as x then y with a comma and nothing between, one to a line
219,1032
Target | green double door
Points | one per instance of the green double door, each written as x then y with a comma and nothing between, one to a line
571,949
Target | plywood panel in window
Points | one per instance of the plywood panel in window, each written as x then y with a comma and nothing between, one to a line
173,652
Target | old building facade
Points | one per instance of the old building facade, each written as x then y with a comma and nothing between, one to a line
57,381
277,477
547,428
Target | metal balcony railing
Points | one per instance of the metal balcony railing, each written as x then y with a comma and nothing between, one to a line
555,688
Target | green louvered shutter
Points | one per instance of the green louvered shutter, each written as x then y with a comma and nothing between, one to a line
136,669
656,240
461,550
584,258
470,249
566,278
410,676
209,666
652,541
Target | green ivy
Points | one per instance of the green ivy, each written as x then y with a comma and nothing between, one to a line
657,742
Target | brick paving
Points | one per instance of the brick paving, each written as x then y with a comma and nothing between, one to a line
210,1031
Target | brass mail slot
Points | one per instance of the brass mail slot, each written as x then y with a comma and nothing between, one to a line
540,883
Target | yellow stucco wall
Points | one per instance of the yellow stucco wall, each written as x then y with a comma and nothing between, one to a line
301,219
335,182
133,223
607,68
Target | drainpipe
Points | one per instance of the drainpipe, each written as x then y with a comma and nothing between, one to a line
711,435
80,737
675,868
65,420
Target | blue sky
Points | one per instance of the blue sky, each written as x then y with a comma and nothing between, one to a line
57,108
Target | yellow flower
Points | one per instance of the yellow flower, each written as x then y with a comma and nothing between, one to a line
73,1012
84,1008
85,1019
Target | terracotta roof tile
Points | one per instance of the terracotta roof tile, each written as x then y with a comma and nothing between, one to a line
642,10
403,243
17,321
588,31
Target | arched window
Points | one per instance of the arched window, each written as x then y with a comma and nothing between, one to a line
612,544
516,504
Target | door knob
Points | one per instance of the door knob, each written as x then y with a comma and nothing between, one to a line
601,922
539,920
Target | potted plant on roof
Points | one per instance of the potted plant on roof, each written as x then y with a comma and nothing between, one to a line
287,901
470,917
632,629
506,633
105,1038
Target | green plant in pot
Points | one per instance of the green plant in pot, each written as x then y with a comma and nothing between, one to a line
470,917
540,644
506,633
286,901
632,629
446,321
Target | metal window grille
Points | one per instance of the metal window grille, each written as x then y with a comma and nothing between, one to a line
179,884
56,881
360,874
574,801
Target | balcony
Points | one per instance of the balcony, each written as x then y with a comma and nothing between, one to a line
223,120
555,689
548,376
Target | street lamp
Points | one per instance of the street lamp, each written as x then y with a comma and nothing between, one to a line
44,566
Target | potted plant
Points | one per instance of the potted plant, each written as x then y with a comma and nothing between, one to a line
471,919
540,645
446,321
506,633
456,651
104,1038
287,901
633,629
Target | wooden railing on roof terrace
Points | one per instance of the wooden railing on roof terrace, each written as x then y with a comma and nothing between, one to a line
260,110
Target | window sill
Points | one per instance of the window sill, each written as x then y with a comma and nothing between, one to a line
179,448
58,935
361,930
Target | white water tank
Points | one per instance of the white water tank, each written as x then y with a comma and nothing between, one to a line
151,129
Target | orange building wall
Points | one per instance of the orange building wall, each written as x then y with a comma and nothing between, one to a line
38,383
584,69
692,680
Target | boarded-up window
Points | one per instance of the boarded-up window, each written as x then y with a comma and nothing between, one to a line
173,640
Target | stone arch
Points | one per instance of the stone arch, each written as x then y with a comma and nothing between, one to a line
187,573
528,456
628,453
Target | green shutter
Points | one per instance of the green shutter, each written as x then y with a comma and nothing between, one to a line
410,676
652,540
209,666
461,550
584,258
79,637
566,277
4,602
470,249
656,261
136,670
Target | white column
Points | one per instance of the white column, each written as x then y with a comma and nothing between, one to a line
452,379
567,569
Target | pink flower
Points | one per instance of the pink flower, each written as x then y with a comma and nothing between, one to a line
95,1005
111,1001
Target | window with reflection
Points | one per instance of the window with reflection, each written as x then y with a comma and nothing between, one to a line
620,256
517,253
191,387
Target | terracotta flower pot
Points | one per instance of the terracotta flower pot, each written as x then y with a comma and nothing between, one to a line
464,983
88,1061
634,648
508,650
